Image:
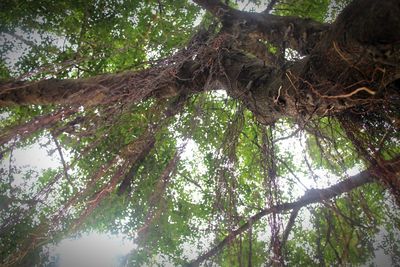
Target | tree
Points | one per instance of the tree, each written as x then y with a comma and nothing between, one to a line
123,87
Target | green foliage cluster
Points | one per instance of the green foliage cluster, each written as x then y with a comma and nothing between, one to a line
213,191
84,38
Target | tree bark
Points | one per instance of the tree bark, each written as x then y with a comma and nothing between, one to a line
345,65
167,79
349,67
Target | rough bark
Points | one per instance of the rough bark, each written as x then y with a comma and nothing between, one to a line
297,33
338,74
164,80
345,65
349,67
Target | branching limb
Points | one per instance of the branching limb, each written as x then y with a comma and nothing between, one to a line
125,184
289,226
299,34
215,7
64,164
270,6
21,131
311,196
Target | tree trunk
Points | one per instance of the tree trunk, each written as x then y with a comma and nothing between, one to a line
355,61
350,68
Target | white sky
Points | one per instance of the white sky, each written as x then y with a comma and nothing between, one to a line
92,250
35,156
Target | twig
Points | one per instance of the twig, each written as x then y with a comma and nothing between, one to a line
270,6
290,80
340,53
288,136
279,94
65,166
350,94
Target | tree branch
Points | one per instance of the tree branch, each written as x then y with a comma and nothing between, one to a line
270,6
126,182
64,164
215,7
38,123
168,78
311,196
299,34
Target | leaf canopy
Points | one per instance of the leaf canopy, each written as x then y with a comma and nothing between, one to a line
210,166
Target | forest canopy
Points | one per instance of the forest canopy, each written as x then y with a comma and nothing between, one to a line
207,132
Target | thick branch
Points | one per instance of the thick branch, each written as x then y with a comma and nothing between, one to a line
125,184
86,91
174,108
289,226
297,33
320,83
89,91
168,78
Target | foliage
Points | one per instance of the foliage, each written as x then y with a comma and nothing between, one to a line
231,166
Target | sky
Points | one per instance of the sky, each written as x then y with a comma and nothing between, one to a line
92,250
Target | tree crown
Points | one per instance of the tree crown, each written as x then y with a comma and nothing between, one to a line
235,133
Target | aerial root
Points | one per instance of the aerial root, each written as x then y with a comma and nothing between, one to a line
366,89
